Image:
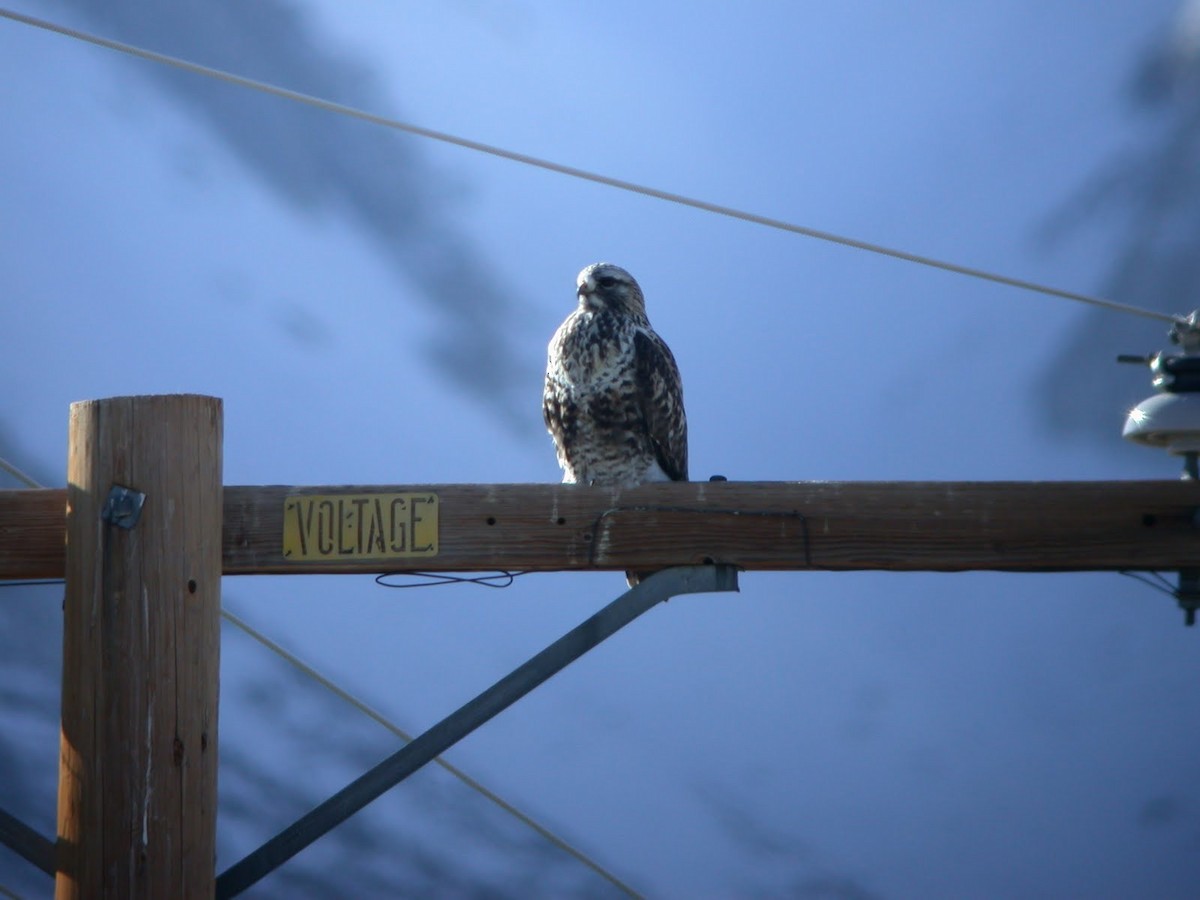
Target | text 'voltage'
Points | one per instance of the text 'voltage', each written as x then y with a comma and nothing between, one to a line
360,526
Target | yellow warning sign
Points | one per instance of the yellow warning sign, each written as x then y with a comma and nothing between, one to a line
359,526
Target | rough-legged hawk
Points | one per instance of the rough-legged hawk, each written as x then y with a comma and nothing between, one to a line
613,400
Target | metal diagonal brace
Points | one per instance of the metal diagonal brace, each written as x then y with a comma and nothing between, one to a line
26,842
653,590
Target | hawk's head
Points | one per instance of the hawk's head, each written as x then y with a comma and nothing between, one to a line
603,286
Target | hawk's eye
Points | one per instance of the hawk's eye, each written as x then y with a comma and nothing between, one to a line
606,281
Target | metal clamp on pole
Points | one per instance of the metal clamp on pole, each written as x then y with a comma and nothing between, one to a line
649,593
123,507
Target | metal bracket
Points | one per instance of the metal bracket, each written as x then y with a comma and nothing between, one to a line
1186,593
654,589
123,507
27,843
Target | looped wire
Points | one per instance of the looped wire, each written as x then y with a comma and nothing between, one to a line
499,579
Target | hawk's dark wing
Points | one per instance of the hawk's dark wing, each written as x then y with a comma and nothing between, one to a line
661,399
561,415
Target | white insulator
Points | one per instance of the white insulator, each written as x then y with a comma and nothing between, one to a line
1171,421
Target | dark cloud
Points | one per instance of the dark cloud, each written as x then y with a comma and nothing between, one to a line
786,865
1150,195
831,888
1160,811
745,828
333,165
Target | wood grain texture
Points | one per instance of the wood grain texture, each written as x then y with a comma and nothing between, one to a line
932,526
138,761
33,537
904,526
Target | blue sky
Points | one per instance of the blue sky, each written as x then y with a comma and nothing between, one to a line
819,734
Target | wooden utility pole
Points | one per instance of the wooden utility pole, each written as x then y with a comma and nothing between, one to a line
138,767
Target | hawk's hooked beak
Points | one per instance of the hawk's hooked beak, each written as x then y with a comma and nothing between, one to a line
585,291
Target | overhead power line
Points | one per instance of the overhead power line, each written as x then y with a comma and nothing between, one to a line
572,171
17,474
